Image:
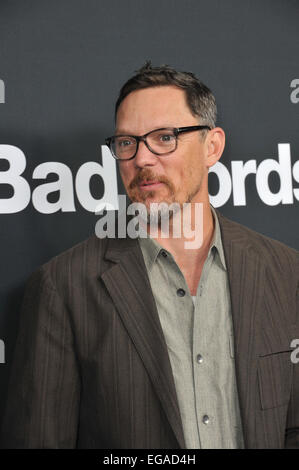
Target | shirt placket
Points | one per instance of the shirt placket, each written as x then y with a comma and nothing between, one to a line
182,312
205,412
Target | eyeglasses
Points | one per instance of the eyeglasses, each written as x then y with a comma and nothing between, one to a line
159,141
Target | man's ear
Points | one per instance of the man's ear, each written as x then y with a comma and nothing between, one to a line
215,142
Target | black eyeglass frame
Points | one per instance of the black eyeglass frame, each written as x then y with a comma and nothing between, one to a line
139,138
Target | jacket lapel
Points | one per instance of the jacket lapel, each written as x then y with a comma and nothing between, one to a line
246,273
129,286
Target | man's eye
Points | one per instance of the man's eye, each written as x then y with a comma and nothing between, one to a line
124,143
166,137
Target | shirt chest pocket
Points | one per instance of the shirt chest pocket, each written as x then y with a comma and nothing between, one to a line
274,379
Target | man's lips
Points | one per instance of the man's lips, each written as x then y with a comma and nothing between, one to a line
149,185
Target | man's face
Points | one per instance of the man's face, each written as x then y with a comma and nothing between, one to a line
178,176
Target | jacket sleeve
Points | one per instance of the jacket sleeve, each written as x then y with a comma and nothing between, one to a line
42,405
292,429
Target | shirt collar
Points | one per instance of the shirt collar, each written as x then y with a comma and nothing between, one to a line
151,249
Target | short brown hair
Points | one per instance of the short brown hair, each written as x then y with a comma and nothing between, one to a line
199,97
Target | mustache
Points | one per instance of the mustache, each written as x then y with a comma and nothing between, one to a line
147,175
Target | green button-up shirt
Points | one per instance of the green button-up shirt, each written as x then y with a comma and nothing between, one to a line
199,338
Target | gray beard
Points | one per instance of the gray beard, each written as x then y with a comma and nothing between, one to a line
161,212
156,215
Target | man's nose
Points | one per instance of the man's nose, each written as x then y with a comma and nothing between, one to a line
144,157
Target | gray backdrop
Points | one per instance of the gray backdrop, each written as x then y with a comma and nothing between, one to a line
62,63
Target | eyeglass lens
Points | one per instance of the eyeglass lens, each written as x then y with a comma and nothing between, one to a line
160,141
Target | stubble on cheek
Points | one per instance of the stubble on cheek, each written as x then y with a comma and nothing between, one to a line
192,181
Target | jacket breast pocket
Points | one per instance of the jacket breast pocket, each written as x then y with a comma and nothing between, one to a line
275,379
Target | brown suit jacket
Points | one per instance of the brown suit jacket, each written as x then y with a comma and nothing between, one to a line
91,367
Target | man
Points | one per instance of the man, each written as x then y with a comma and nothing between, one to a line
113,352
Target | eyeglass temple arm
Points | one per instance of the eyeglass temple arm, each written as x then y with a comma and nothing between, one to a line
179,130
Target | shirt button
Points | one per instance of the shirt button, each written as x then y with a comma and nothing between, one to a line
205,419
163,253
180,292
199,358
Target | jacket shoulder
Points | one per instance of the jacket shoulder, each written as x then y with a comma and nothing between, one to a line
270,250
72,265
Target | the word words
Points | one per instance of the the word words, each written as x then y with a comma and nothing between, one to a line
234,182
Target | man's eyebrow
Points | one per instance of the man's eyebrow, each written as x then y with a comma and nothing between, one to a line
125,132
122,132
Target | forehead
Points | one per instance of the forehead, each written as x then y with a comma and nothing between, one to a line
149,108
